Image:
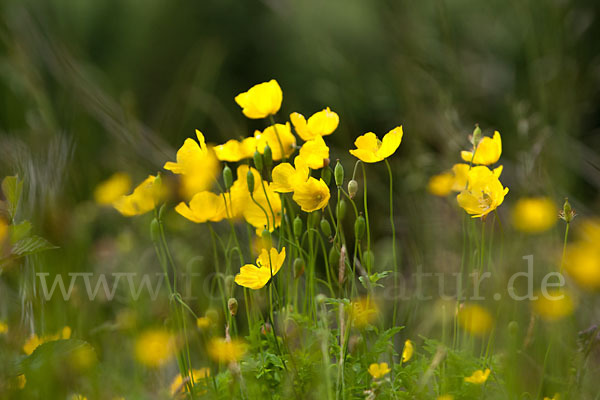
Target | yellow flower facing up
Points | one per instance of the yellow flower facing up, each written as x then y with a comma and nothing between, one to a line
475,319
557,305
321,123
488,151
287,177
204,206
261,100
315,153
363,312
479,377
276,136
235,150
484,192
197,165
144,198
370,149
178,386
34,341
312,195
108,191
408,351
534,214
154,348
267,265
226,350
379,370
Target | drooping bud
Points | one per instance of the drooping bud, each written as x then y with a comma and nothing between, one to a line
314,218
265,236
298,267
227,177
326,174
268,157
342,206
155,230
325,227
258,161
297,227
232,305
359,227
334,259
250,181
339,173
352,188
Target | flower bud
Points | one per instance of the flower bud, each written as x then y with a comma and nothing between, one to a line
154,230
342,206
268,157
325,227
227,177
258,161
298,267
567,213
314,218
352,188
232,305
359,227
334,259
320,298
339,173
250,181
476,135
265,236
297,227
326,174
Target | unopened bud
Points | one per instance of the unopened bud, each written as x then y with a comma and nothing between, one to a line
339,174
298,267
334,258
326,174
326,227
268,157
232,305
267,242
476,135
297,227
227,177
250,181
342,206
154,230
567,213
320,298
258,161
359,227
352,188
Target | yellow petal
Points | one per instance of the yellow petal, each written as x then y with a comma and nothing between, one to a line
441,184
300,126
314,153
312,195
261,100
488,151
408,351
390,143
475,319
111,189
143,199
534,214
276,136
282,176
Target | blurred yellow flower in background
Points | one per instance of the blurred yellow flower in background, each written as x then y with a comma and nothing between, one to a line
475,319
484,192
534,214
363,311
235,150
558,304
144,198
287,177
478,377
312,195
154,347
582,257
321,123
178,386
276,136
204,206
370,149
34,341
555,397
3,327
226,350
267,265
379,370
408,351
488,151
445,397
197,165
111,189
315,153
441,184
261,100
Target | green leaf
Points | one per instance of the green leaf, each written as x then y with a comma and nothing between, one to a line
20,231
12,187
31,245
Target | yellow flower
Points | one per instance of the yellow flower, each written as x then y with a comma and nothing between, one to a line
315,153
475,319
276,136
3,230
379,370
34,341
287,177
144,198
534,214
154,348
111,189
363,312
321,123
484,192
204,322
234,150
558,304
197,165
77,397
556,397
582,258
3,327
445,397
204,206
21,381
178,386
441,184
261,100
312,195
408,351
478,377
370,149
226,350
488,151
267,265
